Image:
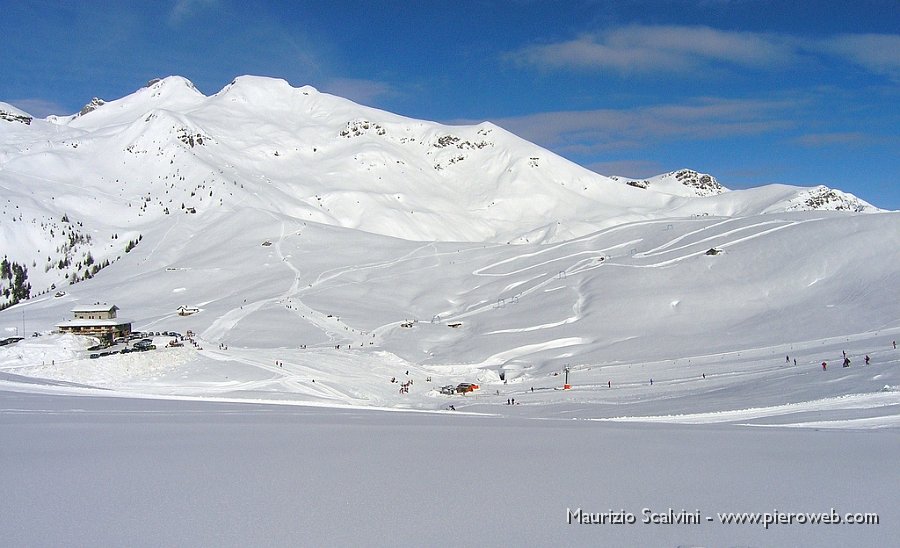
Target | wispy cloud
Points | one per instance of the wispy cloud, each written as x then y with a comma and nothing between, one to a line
359,90
878,53
699,119
627,168
184,9
667,48
816,140
658,48
39,108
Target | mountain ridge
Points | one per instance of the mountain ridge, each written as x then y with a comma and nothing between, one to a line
121,168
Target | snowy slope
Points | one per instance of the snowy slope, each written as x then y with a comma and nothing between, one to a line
335,237
336,252
81,189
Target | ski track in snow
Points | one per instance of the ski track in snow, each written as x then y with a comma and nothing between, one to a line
846,402
360,379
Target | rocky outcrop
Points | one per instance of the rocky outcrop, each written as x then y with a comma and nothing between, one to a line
95,103
703,184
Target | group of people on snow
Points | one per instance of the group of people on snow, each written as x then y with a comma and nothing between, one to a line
846,360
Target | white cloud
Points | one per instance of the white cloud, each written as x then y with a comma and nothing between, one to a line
659,48
627,168
700,119
39,108
878,53
815,140
359,90
667,48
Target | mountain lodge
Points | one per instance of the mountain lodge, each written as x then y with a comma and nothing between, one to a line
98,320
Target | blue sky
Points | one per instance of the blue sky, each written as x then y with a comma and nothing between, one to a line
752,91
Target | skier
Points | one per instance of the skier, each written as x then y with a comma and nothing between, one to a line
824,366
895,345
651,382
787,359
867,359
609,384
795,361
846,362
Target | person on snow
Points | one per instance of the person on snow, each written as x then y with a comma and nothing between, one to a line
867,359
846,362
824,366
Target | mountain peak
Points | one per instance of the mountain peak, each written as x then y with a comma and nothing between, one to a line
683,182
261,87
93,105
823,198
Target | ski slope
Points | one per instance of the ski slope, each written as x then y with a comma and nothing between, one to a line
304,321
347,263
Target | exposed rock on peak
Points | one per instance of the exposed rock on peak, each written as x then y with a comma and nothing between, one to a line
9,113
95,103
702,183
824,198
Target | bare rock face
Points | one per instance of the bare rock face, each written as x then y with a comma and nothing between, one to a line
824,198
703,184
95,103
13,117
643,184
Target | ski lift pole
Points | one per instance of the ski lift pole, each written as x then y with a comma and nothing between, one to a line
567,386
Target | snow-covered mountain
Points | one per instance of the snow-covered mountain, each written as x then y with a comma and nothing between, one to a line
81,190
336,254
166,180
